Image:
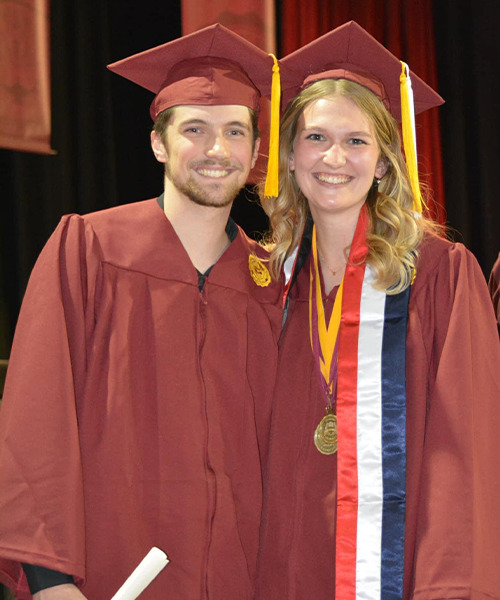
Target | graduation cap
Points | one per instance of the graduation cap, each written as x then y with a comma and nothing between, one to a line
211,66
350,52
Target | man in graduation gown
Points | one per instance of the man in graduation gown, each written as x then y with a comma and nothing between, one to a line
137,402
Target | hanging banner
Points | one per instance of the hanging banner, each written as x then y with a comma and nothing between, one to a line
255,21
25,75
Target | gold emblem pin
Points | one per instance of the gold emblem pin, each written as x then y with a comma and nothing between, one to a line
258,271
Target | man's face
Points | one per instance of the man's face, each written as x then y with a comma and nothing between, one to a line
208,152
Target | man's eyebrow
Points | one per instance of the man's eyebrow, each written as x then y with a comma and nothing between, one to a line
239,124
194,121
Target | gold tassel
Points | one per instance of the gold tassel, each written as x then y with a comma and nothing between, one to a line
272,185
409,136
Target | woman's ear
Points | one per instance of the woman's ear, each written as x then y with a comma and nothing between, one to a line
291,162
381,169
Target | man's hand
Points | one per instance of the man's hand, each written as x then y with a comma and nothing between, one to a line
66,591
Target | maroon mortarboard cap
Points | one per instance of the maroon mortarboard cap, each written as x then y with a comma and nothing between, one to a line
208,67
350,52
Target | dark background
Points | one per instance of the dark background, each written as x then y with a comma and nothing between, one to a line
101,130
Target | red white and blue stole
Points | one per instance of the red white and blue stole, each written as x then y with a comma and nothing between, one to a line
371,432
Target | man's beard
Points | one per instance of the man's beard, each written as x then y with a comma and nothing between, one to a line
218,196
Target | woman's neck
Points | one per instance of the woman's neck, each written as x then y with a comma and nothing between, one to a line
334,234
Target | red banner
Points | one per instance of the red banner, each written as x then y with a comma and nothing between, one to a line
25,76
255,21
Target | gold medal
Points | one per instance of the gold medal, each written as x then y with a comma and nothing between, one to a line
325,436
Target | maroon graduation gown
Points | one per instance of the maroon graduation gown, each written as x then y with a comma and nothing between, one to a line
452,534
136,410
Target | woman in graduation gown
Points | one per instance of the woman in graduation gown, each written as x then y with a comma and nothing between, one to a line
384,473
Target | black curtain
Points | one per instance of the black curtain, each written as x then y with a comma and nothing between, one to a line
468,49
101,131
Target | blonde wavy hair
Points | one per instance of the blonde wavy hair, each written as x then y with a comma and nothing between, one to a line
394,233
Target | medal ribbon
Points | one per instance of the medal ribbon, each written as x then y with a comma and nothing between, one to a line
323,338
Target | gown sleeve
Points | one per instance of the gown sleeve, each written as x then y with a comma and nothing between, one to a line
457,529
494,287
40,578
41,488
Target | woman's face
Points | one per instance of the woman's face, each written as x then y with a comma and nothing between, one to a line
335,156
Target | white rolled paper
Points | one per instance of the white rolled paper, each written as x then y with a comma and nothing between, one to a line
149,567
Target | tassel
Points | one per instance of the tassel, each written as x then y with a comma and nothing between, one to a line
409,135
272,184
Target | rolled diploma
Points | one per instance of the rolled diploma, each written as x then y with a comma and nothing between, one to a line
149,567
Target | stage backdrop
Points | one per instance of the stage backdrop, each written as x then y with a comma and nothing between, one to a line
25,76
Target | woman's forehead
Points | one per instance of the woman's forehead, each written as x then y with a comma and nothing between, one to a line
335,111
